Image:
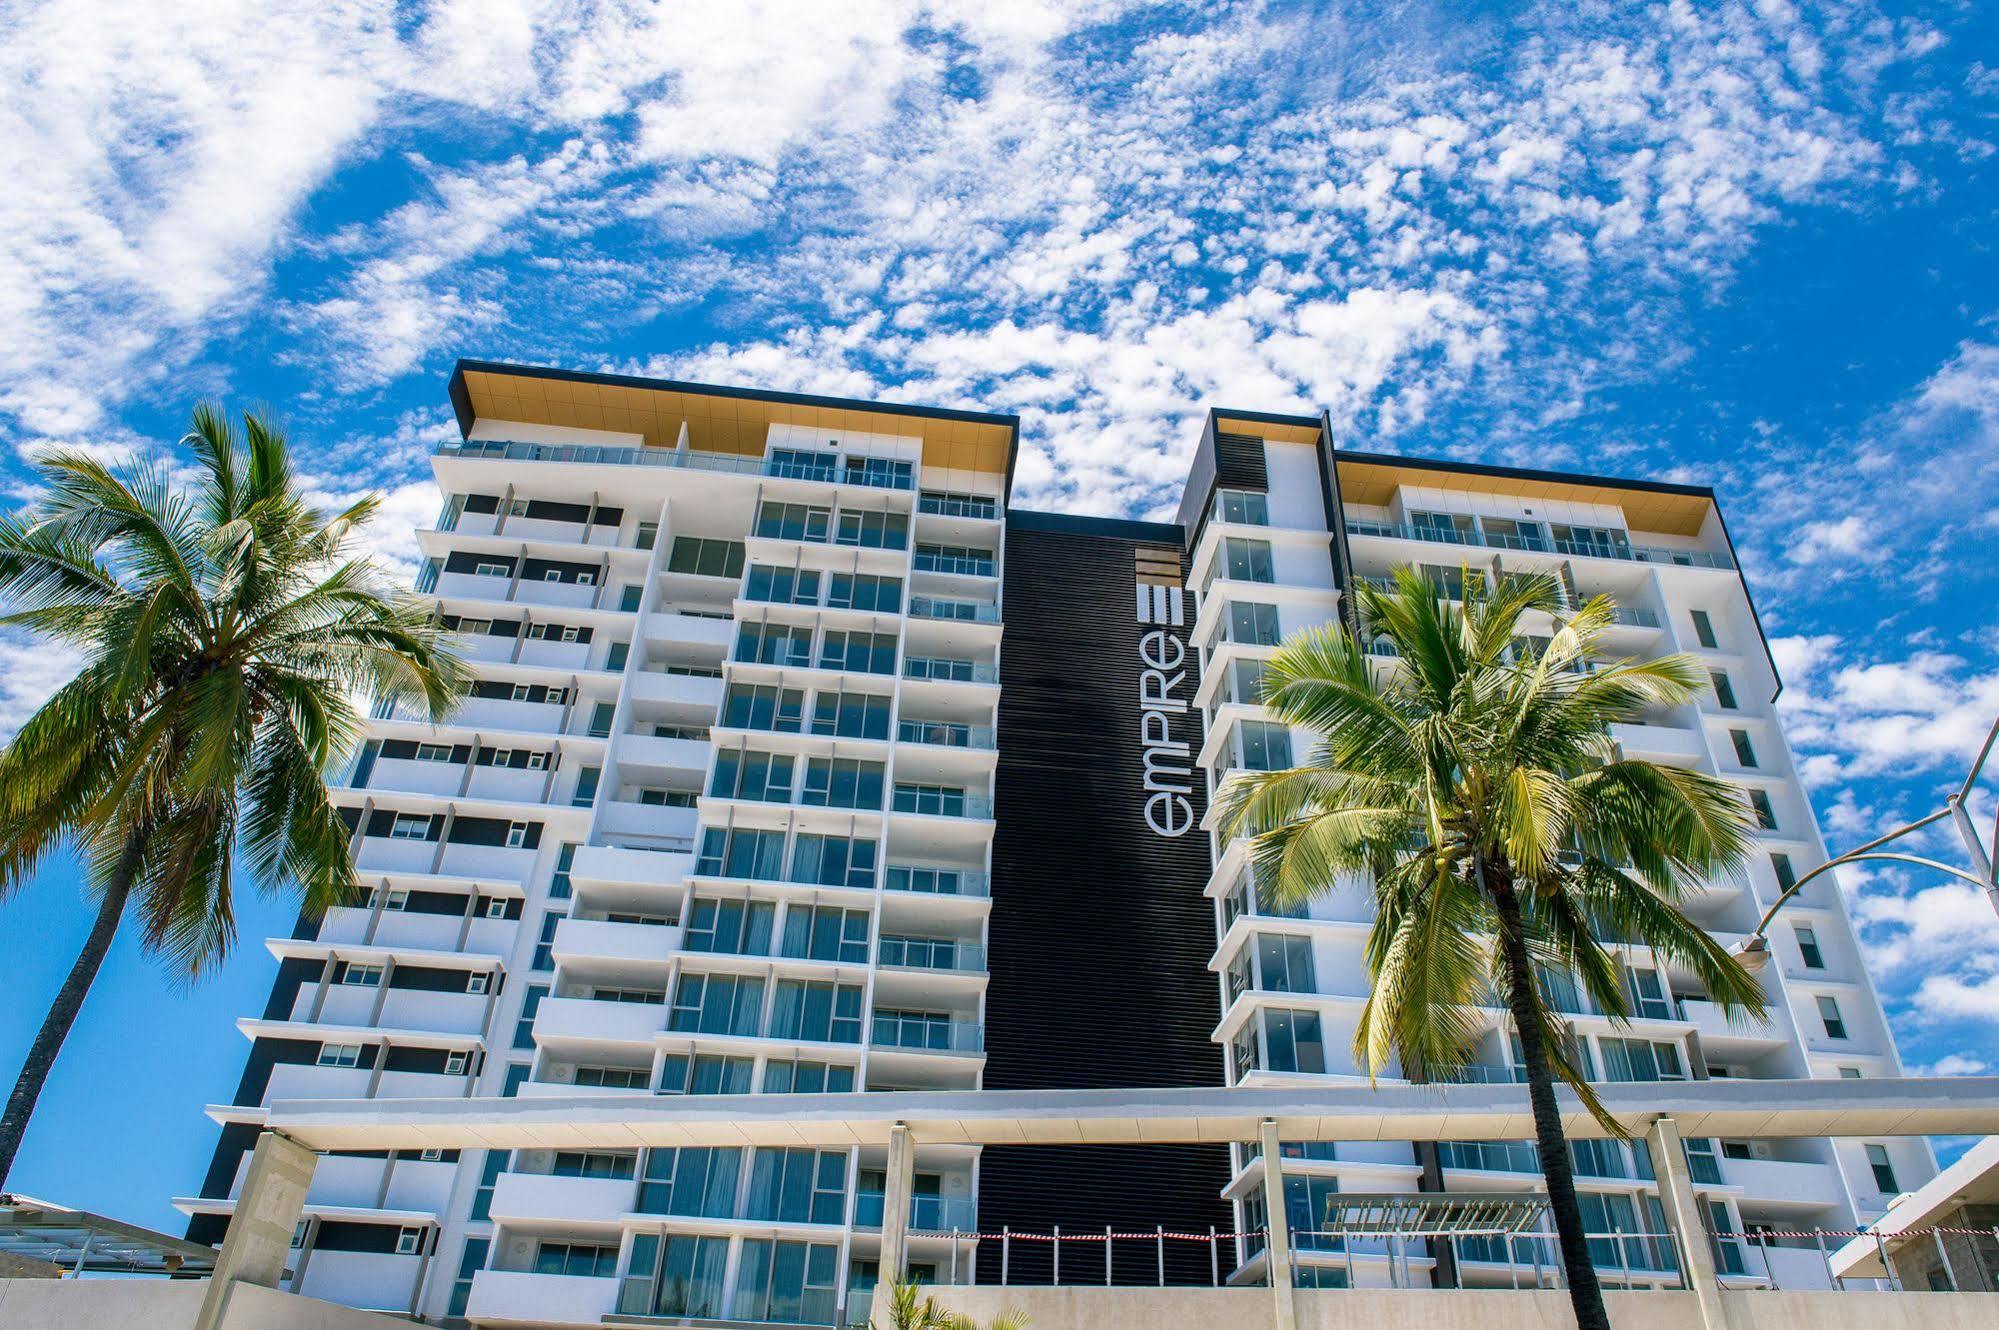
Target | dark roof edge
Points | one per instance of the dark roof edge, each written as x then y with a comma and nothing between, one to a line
722,390
1526,473
1265,417
1075,524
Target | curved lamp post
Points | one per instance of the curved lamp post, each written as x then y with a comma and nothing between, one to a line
1754,950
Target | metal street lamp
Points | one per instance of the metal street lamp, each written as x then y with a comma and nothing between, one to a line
1754,950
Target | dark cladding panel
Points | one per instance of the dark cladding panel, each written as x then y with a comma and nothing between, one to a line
1100,933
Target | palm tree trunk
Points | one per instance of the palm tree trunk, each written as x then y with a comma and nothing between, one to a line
69,1000
1585,1294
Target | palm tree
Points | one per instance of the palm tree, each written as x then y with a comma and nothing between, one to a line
910,1308
1475,784
224,631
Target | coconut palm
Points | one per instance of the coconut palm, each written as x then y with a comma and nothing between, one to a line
1474,783
223,629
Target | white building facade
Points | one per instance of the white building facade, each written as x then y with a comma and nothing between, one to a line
718,817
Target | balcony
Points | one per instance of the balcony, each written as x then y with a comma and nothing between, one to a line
944,734
545,1197
1784,1181
927,1214
959,505
1667,742
630,867
670,458
690,629
520,1297
953,610
938,669
947,803
702,692
917,953
600,941
926,1034
924,879
1466,535
589,1021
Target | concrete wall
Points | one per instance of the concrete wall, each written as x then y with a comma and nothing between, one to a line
165,1304
1499,1309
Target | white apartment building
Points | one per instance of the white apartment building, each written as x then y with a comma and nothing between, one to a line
738,805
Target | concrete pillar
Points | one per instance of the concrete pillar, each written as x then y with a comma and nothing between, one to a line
1683,1217
898,1182
259,1237
1283,1309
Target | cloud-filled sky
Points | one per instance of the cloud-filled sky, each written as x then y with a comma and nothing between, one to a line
1750,244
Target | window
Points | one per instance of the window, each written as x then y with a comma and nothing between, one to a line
470,1262
863,591
487,569
496,908
1265,746
1849,1073
826,933
1246,507
741,774
1745,752
699,1182
517,1076
792,521
612,1078
741,852
558,884
489,1177
1507,533
544,947
1248,560
362,976
1451,527
410,826
717,1004
782,586
866,653
706,558
1724,691
1641,1060
398,899
677,1276
1704,629
575,1258
1883,1169
629,597
766,707
1295,1041
593,1164
1599,541
1286,963
1835,1024
735,927
792,1282
646,536
842,782
1808,947
874,531
340,1055
433,752
833,861
586,786
965,559
537,761
798,1186
616,655
1766,816
1253,625
1787,876
818,1010
708,1073
807,1077
455,1062
600,719
409,1241
773,644
850,715
524,1027
517,835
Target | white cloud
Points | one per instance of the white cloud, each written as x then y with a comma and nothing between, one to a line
30,673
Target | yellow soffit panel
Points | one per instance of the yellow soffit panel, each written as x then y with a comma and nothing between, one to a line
719,424
1374,483
1267,430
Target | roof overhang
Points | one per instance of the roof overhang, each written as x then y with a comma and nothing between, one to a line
719,419
1735,1108
1972,1180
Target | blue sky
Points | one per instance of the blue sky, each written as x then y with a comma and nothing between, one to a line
1745,244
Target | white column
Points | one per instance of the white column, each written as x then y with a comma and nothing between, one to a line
1683,1217
259,1237
896,1188
1278,1250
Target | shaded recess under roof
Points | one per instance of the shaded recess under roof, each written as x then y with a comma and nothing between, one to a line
39,1231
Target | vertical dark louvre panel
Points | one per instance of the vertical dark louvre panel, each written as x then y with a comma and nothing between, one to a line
1100,934
1239,463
